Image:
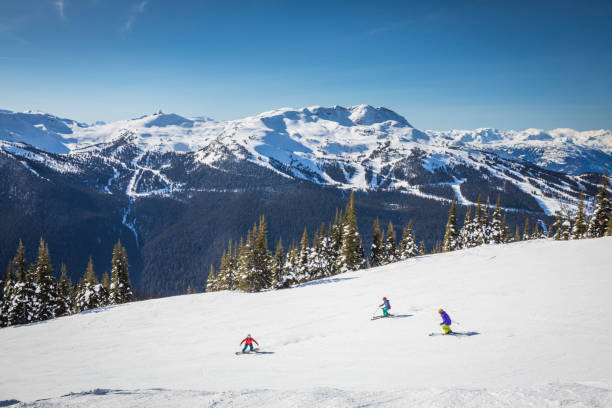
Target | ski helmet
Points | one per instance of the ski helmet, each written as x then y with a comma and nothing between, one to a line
440,311
248,335
384,298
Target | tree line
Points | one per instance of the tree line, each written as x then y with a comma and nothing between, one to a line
32,294
249,266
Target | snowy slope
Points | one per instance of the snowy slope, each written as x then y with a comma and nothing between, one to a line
540,308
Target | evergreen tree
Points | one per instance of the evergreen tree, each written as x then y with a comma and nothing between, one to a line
288,277
470,234
262,276
497,225
481,227
246,281
580,224
536,231
451,234
120,285
609,229
20,307
45,299
550,232
105,290
210,280
302,272
506,237
89,296
349,259
517,236
390,245
189,291
226,279
336,244
422,249
64,294
278,264
567,227
526,235
7,293
377,250
558,225
603,211
408,246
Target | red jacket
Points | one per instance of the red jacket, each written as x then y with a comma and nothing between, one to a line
249,340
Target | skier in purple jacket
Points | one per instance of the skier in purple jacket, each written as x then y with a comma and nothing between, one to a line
385,307
446,322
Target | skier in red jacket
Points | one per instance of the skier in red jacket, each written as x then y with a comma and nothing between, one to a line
248,341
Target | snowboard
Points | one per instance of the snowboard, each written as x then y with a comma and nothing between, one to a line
255,350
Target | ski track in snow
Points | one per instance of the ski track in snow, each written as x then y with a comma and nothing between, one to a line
539,306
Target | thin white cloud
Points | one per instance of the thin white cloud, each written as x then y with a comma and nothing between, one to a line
60,5
137,8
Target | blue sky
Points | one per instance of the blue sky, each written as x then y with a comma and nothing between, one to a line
442,65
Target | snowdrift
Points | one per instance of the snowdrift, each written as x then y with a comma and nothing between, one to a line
540,308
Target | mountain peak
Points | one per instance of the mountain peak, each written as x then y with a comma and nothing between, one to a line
368,115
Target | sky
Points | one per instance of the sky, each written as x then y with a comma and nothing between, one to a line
441,64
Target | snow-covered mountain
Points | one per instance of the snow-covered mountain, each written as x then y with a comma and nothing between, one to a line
163,182
357,147
536,309
564,150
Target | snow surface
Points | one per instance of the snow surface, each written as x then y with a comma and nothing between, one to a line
540,308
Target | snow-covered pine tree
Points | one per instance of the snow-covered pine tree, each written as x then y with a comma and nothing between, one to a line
20,307
45,300
580,224
536,231
318,262
451,234
526,235
336,241
602,212
486,224
246,281
567,227
422,249
7,291
507,237
302,273
324,264
210,280
64,293
558,225
120,290
498,226
480,223
350,256
277,265
88,296
409,246
470,234
609,229
288,277
105,290
226,278
377,250
390,245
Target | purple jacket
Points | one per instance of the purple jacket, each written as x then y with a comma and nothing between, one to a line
445,318
386,304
